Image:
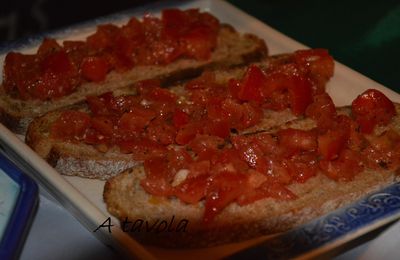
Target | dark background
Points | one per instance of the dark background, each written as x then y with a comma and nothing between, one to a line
365,35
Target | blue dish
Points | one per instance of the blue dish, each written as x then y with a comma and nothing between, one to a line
18,204
357,217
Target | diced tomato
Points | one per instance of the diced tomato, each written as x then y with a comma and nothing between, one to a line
202,143
59,77
252,84
192,190
372,108
323,111
220,128
320,64
158,178
175,23
198,168
104,125
70,125
97,104
180,118
250,152
223,189
199,42
301,167
276,80
383,151
47,47
160,131
136,120
188,132
95,68
296,140
161,95
141,148
178,159
205,80
344,168
251,115
331,143
103,38
267,190
300,93
230,160
133,30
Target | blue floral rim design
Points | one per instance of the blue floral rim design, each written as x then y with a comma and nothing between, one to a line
378,206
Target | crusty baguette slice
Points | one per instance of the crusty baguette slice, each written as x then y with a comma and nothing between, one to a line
86,161
126,200
232,49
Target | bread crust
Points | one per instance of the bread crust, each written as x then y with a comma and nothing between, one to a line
233,49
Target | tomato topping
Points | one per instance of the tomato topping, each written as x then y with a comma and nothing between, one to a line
57,69
372,108
70,125
94,68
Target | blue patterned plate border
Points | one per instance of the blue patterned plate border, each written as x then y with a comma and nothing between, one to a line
335,228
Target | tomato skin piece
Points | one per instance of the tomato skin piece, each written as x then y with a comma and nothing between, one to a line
70,125
95,68
372,108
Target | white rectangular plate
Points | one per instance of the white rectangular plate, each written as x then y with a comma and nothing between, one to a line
83,197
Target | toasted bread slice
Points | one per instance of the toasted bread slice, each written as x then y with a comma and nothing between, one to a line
86,161
232,49
126,199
